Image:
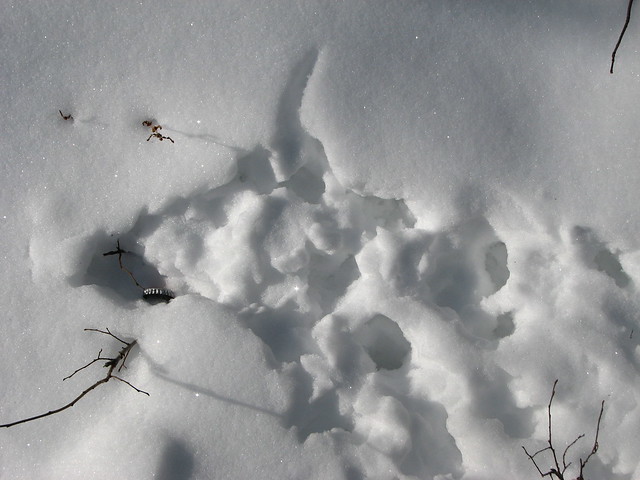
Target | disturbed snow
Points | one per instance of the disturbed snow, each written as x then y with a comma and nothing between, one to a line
389,229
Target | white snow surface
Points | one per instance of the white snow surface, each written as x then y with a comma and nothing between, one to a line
390,227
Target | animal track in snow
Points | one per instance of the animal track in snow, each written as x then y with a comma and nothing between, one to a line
597,256
384,341
455,269
281,244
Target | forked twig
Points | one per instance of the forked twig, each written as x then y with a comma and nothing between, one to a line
564,454
97,359
118,251
112,363
556,471
153,294
66,117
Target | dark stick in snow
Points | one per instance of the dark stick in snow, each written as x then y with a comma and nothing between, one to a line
556,471
624,29
118,251
116,362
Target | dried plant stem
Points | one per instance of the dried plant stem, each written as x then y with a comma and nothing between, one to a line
594,449
556,471
114,363
624,29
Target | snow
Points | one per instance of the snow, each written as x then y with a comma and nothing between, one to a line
389,227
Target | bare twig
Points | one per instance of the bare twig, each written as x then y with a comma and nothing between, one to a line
135,388
119,252
66,117
97,359
532,458
107,332
624,29
151,295
594,449
553,450
564,455
111,363
556,471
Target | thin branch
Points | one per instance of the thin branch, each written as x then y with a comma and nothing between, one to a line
106,332
119,252
624,29
58,410
97,359
541,450
532,458
556,471
594,449
112,363
135,388
564,455
553,450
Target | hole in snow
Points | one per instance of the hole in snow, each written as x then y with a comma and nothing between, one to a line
596,255
384,341
608,263
505,325
307,185
105,271
495,264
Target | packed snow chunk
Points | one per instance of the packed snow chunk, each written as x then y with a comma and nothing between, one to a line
319,371
325,234
630,262
398,421
231,258
292,262
346,359
398,258
285,236
177,247
384,341
385,423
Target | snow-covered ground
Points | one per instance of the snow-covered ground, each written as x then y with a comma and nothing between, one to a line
390,226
